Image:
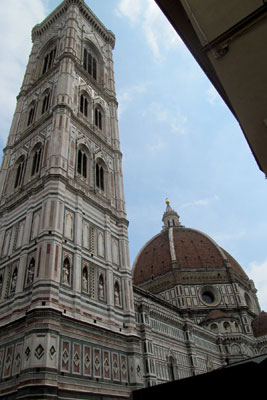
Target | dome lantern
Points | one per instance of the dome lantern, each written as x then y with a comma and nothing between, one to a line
170,217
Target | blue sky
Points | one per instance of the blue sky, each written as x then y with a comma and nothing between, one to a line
178,138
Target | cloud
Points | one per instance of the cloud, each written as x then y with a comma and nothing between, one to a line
157,146
172,116
16,21
158,31
201,202
128,94
130,9
258,273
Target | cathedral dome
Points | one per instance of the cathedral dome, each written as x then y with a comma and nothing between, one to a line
193,253
259,325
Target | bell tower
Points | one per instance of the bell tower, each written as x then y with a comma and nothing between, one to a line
66,298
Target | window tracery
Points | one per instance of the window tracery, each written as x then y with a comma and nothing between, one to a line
90,63
31,113
98,118
48,60
84,105
19,168
82,163
100,176
36,160
45,101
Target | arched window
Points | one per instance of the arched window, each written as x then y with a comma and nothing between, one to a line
19,168
36,160
90,63
227,327
46,101
98,118
49,60
31,115
214,328
82,163
100,181
84,105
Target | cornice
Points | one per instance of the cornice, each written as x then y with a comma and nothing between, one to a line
41,28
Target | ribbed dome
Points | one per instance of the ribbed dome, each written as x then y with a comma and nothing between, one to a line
259,325
183,248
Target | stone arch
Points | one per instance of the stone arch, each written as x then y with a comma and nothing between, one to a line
227,327
235,349
214,327
263,350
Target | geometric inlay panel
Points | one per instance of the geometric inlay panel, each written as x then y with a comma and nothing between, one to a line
97,363
87,361
39,352
115,367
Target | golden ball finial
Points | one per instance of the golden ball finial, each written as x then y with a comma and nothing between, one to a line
167,201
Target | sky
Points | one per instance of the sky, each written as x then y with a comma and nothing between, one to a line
178,138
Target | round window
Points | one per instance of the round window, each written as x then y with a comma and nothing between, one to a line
208,297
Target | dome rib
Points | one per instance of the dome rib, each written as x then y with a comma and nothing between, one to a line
193,249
